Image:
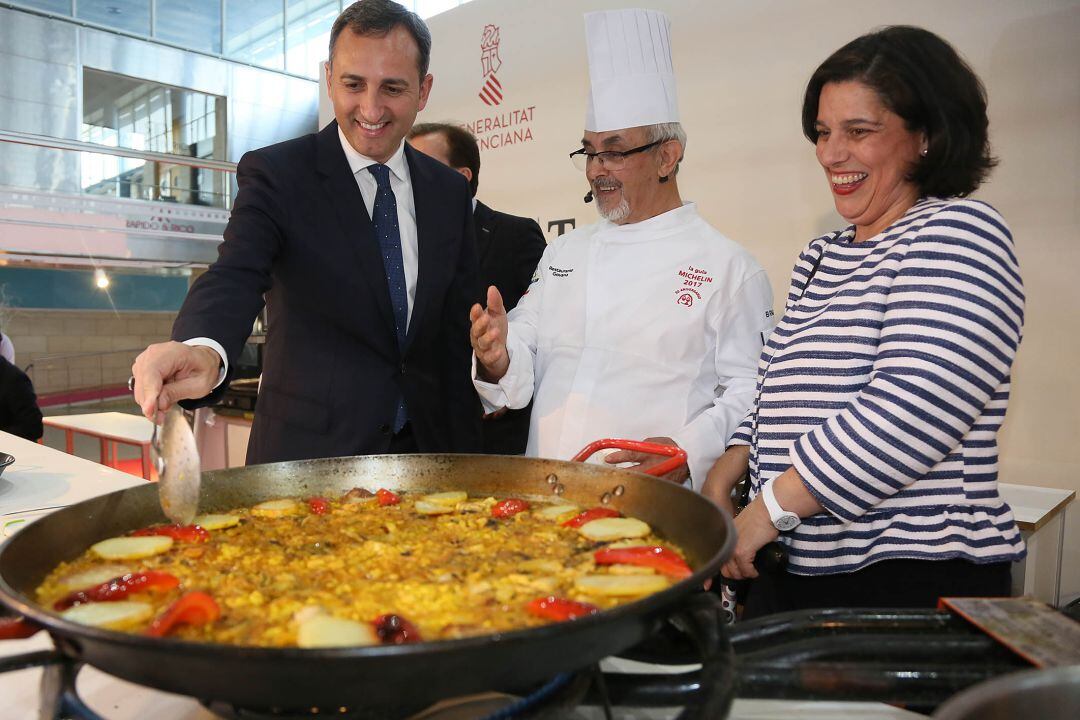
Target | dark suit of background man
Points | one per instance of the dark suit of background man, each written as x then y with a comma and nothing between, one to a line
509,247
19,411
353,237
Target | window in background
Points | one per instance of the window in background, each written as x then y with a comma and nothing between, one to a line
60,7
130,15
195,24
253,32
307,34
125,112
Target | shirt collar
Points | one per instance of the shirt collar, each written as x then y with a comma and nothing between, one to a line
358,162
664,222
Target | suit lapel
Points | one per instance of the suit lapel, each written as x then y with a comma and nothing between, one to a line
484,219
357,232
427,238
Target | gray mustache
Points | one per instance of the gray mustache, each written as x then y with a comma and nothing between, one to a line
608,185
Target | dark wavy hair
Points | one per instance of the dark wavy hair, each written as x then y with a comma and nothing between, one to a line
376,18
921,78
463,150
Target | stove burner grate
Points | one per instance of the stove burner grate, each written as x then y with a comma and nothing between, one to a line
911,658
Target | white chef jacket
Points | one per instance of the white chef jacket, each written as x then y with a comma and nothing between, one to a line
639,330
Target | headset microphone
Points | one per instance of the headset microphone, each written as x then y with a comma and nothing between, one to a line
588,197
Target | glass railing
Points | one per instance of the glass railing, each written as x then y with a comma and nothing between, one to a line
40,162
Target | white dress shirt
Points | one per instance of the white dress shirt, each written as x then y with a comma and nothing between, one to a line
401,184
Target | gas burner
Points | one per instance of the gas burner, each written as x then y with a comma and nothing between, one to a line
552,701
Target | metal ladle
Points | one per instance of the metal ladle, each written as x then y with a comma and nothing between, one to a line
176,458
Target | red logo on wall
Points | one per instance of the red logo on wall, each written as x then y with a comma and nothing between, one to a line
491,91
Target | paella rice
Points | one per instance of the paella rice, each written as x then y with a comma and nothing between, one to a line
365,568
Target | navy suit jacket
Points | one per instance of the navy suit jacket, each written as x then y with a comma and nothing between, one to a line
509,247
300,235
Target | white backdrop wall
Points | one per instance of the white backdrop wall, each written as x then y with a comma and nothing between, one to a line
742,66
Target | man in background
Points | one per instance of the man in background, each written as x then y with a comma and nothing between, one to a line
508,248
19,412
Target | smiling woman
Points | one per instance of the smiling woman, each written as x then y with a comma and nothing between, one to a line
868,154
873,439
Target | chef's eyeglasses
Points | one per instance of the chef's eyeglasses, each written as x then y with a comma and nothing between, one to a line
611,159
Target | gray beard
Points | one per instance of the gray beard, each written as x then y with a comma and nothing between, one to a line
616,214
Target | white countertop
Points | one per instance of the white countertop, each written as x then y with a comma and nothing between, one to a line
43,479
1034,506
117,425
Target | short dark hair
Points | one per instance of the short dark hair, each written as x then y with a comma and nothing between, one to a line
921,78
464,152
376,18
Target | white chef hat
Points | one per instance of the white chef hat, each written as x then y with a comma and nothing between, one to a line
631,78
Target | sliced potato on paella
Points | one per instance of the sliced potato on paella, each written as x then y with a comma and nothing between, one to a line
131,548
117,615
277,508
450,498
429,508
93,576
216,521
322,630
620,585
614,529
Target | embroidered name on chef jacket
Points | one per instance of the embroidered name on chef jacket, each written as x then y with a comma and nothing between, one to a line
690,279
560,272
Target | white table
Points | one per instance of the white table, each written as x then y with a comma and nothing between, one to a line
1040,515
42,479
109,428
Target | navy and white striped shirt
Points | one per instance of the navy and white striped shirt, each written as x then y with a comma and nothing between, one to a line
885,384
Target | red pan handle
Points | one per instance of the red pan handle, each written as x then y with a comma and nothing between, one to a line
678,455
16,628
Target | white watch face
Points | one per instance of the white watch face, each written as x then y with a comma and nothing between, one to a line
787,521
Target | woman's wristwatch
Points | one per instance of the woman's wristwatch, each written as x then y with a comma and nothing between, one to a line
782,520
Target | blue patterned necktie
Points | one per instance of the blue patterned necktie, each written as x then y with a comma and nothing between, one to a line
384,218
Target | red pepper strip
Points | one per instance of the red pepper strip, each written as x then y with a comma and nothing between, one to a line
590,515
559,609
319,505
17,628
119,588
179,533
509,508
193,608
652,556
395,630
385,497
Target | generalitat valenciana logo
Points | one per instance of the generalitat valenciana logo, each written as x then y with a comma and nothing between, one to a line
491,91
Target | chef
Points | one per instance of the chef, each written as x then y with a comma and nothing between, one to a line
648,323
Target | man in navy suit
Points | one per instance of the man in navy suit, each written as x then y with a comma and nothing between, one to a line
364,250
508,247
